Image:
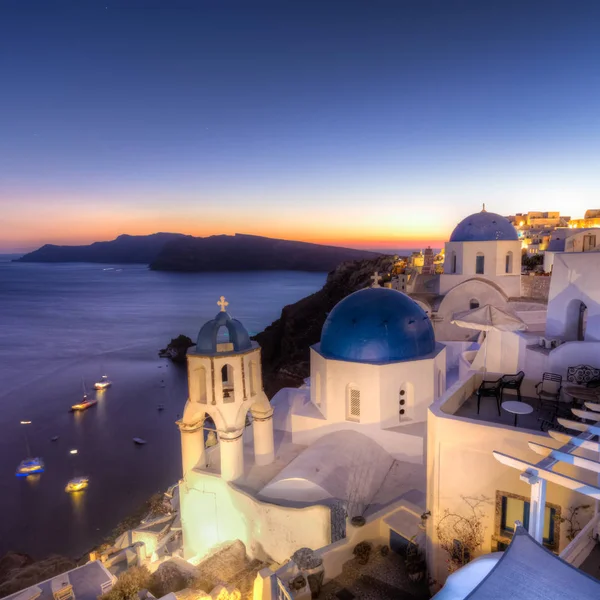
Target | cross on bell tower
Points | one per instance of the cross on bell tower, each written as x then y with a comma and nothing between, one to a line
223,303
375,278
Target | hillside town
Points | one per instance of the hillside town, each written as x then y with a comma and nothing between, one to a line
450,420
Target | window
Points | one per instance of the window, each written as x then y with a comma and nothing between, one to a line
402,403
453,262
509,263
473,304
353,404
516,508
201,378
227,379
479,263
253,378
317,395
582,322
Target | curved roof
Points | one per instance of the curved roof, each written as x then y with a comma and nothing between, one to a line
342,465
377,325
484,227
207,338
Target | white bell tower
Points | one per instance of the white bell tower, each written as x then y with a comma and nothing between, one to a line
225,382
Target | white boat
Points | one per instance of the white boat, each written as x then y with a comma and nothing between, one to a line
103,383
77,484
139,441
30,466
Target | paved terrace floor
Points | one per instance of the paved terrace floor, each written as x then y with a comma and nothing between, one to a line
489,412
382,578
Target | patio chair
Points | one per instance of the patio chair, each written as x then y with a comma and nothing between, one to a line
512,382
548,392
490,389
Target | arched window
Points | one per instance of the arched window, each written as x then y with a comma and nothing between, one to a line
352,403
473,304
479,263
227,381
317,395
508,267
201,381
253,378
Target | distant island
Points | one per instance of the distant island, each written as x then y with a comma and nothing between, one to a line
129,249
185,253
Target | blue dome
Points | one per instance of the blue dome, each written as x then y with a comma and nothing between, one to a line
207,338
377,325
484,227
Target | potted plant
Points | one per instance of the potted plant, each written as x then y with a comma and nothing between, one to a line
415,562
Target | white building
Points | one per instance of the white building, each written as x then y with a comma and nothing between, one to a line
349,445
482,266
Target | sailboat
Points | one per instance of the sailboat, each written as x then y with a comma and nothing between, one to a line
85,402
29,466
103,383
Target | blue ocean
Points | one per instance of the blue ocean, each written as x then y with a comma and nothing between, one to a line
64,325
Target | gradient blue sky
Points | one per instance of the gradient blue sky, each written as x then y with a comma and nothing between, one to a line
370,124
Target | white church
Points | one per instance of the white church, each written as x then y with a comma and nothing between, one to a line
378,445
350,444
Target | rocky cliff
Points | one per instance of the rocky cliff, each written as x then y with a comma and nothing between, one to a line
286,342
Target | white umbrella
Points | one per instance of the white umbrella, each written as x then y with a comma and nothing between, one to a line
488,318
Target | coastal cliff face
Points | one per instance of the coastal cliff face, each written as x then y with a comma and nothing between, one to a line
286,342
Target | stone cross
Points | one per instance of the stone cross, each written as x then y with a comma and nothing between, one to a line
223,303
375,278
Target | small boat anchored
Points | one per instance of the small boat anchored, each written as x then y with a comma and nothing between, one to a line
103,383
139,441
30,466
77,484
85,402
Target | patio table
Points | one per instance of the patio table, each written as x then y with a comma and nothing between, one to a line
517,408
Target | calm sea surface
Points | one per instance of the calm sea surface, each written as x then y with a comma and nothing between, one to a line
64,323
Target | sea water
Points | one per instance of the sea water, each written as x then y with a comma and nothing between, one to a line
62,326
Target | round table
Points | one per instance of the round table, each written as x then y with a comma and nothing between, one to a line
517,408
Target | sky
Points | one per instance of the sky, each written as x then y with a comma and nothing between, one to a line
371,124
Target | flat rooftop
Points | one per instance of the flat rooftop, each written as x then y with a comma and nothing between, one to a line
86,580
489,413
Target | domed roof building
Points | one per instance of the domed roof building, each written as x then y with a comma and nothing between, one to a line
484,227
377,366
483,245
377,325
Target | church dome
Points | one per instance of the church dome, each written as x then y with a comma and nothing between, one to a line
377,325
207,338
484,227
